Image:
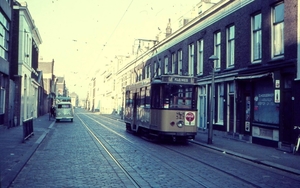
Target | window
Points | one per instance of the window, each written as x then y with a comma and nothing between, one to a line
166,65
133,77
149,68
155,69
59,106
147,71
191,59
173,96
4,37
217,42
220,103
2,100
140,74
230,46
144,72
265,109
147,102
159,67
200,57
142,97
278,30
179,54
174,63
256,38
128,101
231,87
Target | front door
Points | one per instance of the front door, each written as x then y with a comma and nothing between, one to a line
287,106
287,117
231,113
202,112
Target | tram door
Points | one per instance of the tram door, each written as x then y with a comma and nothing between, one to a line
134,112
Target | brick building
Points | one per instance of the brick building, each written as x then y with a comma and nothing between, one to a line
256,45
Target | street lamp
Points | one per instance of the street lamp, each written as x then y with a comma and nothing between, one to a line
212,99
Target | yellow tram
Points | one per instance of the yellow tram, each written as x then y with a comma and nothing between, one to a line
165,106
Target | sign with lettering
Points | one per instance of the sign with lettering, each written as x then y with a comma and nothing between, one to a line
190,118
178,79
266,110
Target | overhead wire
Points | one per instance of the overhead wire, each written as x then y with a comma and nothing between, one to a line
105,44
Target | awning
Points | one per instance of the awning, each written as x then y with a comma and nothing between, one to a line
254,76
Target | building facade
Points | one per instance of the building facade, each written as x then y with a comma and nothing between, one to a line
256,69
49,80
25,64
6,81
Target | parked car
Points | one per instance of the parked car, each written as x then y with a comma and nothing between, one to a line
64,111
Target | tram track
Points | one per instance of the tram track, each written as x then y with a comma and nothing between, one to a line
161,159
160,152
111,155
214,167
101,143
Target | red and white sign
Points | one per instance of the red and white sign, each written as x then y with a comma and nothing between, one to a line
190,118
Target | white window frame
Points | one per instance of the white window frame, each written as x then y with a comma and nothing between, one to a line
230,46
180,68
166,65
191,59
150,72
278,31
155,73
159,67
2,100
220,119
200,48
256,38
173,63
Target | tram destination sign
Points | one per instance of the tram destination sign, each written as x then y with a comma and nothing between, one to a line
178,79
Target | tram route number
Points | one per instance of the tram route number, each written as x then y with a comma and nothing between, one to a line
189,116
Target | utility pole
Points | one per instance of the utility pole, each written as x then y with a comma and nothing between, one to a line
212,99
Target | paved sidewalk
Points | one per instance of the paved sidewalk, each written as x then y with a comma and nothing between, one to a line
14,153
268,156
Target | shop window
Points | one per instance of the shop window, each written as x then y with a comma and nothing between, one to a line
265,109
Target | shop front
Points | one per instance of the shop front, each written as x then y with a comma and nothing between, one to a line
266,101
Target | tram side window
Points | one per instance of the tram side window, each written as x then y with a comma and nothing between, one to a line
147,101
128,99
142,98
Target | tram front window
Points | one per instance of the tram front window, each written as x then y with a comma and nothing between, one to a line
173,96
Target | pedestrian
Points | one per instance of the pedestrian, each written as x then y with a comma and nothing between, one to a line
296,138
52,110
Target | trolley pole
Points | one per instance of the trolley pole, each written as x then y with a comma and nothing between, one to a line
212,100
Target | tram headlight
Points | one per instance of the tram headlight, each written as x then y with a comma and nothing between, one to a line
179,124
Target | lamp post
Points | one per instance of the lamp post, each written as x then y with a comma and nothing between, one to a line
212,100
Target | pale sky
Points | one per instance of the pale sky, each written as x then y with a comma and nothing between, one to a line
81,34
